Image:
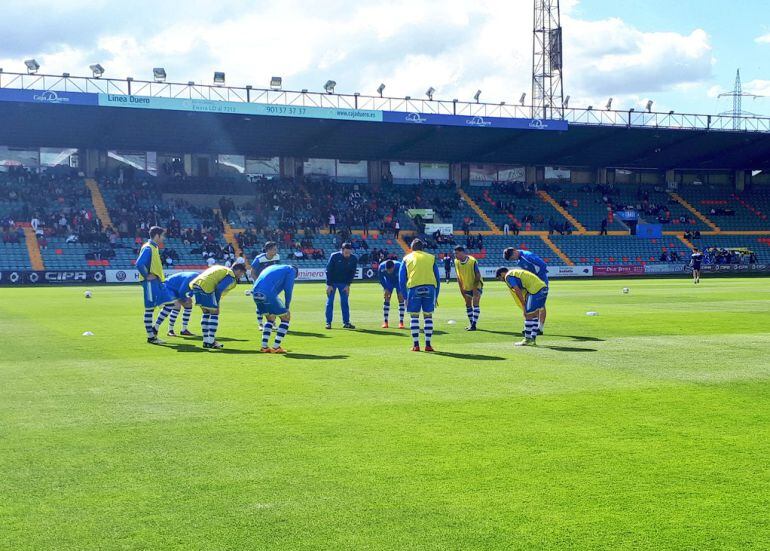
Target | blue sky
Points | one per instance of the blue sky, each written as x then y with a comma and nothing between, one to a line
679,53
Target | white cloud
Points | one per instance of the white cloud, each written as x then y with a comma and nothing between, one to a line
455,46
764,39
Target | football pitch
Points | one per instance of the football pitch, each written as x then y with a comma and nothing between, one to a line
646,426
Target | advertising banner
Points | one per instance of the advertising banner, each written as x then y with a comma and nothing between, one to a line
445,229
665,268
570,271
612,271
26,277
472,121
48,96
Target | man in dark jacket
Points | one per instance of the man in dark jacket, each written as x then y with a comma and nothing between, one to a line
340,272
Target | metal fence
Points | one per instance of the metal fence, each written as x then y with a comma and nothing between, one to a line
305,98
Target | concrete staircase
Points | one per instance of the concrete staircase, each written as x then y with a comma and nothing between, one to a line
545,196
557,251
229,234
698,214
483,215
33,248
100,207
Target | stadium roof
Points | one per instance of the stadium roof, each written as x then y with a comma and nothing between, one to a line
32,118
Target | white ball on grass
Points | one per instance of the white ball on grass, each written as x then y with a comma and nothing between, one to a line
87,294
626,290
451,322
592,313
88,334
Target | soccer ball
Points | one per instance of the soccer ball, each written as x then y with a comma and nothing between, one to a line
88,294
626,290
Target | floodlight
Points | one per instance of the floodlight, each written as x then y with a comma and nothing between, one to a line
276,83
97,70
65,75
670,112
429,92
523,98
566,102
329,86
649,106
219,78
159,74
609,104
380,89
477,95
32,66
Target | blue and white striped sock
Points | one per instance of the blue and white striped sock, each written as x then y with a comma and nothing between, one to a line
186,318
414,326
469,313
428,330
162,316
213,324
283,328
530,329
401,311
267,328
205,326
148,312
386,311
259,318
476,312
172,319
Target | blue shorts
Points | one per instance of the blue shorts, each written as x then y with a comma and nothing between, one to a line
205,300
421,298
470,293
155,293
536,302
268,304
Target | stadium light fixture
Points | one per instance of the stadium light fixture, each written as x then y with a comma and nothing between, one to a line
97,70
32,66
65,75
590,107
477,95
219,78
329,86
407,98
429,92
609,104
380,89
523,98
190,83
304,91
502,103
649,105
670,112
566,102
159,74
276,83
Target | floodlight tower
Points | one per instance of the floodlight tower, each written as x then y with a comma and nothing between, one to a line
547,91
737,94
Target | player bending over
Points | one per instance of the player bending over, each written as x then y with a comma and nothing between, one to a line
208,289
267,258
178,287
420,277
273,281
151,275
530,293
388,273
696,259
471,284
529,261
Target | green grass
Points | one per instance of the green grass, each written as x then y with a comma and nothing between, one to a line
647,426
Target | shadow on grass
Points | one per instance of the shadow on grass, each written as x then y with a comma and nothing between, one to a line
193,348
308,334
395,332
578,338
478,357
508,333
298,356
229,339
568,348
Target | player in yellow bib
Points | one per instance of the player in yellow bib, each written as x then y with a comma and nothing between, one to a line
471,284
530,293
208,289
419,276
150,268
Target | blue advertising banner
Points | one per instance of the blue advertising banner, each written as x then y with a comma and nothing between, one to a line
237,108
48,96
649,231
473,121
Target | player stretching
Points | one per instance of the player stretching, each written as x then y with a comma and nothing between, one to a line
340,272
471,284
529,261
388,274
696,260
419,276
271,282
530,293
208,289
267,258
151,275
178,287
